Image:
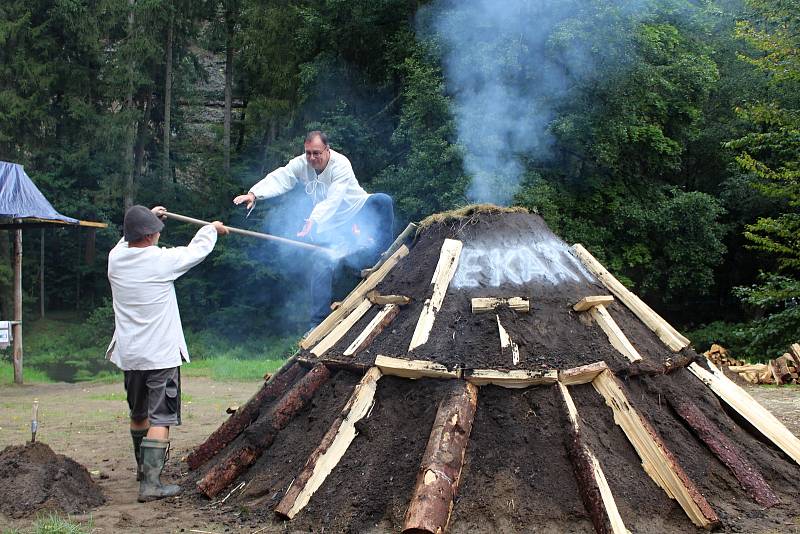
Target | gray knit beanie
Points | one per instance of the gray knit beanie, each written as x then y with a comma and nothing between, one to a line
139,222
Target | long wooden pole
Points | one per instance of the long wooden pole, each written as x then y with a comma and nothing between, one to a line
17,328
250,233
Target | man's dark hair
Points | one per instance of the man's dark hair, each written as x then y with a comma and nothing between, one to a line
317,133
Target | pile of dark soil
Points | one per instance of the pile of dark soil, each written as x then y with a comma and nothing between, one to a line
33,478
517,475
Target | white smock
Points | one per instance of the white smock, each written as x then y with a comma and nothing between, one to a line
336,193
148,332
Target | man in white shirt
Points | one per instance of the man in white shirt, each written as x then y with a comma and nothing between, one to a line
148,343
344,216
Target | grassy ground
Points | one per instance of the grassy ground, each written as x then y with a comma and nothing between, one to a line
54,524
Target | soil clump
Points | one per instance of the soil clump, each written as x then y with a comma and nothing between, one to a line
34,478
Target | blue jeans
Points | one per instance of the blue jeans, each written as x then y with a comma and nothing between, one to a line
375,222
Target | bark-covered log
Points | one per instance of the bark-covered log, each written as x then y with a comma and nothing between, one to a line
727,452
440,470
234,425
592,484
260,434
332,447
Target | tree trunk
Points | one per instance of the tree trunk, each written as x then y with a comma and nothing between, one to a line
244,416
128,188
17,328
41,275
260,435
166,174
440,471
226,136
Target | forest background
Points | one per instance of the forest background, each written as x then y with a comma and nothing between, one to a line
663,135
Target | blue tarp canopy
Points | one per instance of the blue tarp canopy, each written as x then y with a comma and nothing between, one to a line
21,199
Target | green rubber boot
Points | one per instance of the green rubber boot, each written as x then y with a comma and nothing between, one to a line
137,436
154,455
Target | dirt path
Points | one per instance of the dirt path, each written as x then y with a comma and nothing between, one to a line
88,423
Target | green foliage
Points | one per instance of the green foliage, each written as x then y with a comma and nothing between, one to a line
54,523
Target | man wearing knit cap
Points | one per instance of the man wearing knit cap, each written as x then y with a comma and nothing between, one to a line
148,343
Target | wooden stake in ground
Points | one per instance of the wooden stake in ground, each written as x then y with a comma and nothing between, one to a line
596,307
506,343
245,415
353,299
262,433
445,269
726,451
440,471
657,460
671,337
381,320
594,489
332,447
747,407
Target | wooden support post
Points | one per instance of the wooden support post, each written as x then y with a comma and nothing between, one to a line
332,447
487,304
381,320
342,328
587,303
353,299
260,435
657,460
726,451
671,337
749,408
615,335
592,484
596,307
235,424
440,470
581,375
515,379
445,269
506,342
16,328
413,368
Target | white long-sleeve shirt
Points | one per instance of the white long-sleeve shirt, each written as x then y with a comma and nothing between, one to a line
336,193
148,332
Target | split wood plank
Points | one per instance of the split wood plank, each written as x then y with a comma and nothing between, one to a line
591,479
445,269
332,448
381,320
671,337
440,470
514,379
615,335
487,304
758,416
354,299
260,435
581,375
413,368
750,368
657,460
725,450
506,342
341,329
235,424
587,303
381,300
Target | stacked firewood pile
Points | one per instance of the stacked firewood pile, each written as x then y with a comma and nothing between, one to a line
782,370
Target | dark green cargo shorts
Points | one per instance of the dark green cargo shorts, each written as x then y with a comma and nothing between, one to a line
155,395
